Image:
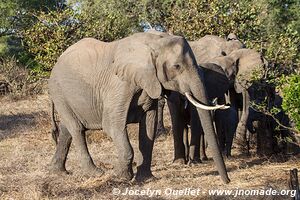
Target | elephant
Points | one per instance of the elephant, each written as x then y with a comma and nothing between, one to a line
211,46
184,113
205,49
226,123
245,64
107,85
235,70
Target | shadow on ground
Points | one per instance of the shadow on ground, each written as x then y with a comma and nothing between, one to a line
11,124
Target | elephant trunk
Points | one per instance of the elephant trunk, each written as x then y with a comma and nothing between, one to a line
208,128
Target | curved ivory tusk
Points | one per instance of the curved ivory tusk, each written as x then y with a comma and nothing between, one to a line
202,106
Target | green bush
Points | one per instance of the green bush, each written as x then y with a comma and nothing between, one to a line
291,98
50,36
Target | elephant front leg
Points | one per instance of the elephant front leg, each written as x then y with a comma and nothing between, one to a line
123,167
147,129
203,155
178,124
186,142
194,153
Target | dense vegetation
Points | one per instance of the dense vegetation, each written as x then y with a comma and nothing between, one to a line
35,32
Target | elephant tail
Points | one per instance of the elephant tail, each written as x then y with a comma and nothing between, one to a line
55,132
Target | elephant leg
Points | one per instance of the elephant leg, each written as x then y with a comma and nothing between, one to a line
228,141
147,129
77,131
160,119
86,161
123,167
178,124
186,142
195,137
62,148
203,155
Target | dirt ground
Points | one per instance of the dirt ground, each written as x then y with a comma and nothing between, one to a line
26,148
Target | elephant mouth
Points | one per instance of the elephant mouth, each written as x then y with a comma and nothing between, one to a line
200,105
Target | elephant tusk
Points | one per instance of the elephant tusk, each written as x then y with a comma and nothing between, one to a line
202,106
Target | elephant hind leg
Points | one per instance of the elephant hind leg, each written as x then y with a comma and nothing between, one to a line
59,159
74,127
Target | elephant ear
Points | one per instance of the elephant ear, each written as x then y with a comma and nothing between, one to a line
250,65
215,80
135,64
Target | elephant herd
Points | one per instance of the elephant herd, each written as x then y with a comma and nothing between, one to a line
228,69
107,85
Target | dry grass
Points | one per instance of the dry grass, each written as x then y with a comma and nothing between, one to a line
26,149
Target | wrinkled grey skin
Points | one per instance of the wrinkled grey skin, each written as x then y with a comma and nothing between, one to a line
184,114
242,63
211,46
98,85
205,50
238,65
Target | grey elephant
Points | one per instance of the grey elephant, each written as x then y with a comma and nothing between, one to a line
237,66
99,85
184,113
226,123
205,49
244,64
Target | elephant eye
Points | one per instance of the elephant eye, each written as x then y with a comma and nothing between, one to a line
177,66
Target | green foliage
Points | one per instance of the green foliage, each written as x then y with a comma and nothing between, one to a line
50,36
56,30
194,18
253,22
15,14
291,98
110,20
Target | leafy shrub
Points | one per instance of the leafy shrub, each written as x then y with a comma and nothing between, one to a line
50,36
291,98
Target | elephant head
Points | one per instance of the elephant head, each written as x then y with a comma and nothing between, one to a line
243,66
217,81
240,65
248,63
170,66
211,46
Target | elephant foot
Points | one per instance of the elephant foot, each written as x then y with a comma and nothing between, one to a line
228,155
195,161
161,131
144,175
124,174
179,161
204,158
92,170
58,170
95,172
